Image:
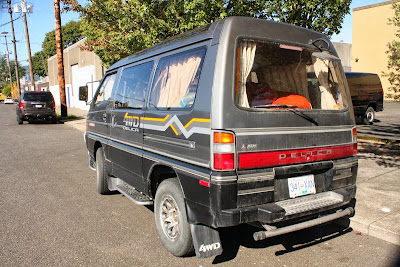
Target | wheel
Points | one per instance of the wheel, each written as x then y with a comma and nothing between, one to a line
171,221
101,173
20,120
54,120
369,116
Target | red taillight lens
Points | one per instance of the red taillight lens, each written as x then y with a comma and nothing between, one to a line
54,105
223,151
224,161
355,151
286,157
21,105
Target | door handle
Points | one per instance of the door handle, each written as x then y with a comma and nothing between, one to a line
105,117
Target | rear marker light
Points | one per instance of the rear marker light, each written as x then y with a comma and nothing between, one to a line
204,183
223,151
355,150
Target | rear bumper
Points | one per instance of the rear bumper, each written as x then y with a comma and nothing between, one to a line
273,213
37,115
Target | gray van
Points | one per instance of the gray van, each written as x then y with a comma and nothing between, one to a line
221,126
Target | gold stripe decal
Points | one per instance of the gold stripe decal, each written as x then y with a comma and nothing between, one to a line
195,125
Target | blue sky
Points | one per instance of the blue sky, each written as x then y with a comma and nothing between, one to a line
41,21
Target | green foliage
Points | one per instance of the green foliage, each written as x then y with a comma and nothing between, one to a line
4,72
117,29
71,33
318,15
394,57
6,90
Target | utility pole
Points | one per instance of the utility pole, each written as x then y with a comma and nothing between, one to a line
60,59
8,58
15,48
24,9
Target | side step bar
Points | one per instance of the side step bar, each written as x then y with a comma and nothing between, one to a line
288,229
134,195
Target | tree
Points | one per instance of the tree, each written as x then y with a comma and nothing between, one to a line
116,29
321,16
4,72
71,34
394,57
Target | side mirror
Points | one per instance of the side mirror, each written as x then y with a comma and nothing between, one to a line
83,93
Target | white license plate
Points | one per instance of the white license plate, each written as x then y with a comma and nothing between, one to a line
39,106
301,185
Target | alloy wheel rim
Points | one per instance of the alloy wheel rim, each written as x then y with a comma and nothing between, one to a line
170,218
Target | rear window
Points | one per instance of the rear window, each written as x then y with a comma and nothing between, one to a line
274,75
40,97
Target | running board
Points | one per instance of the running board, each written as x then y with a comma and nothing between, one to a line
134,195
288,229
310,202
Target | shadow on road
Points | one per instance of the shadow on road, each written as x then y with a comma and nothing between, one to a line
242,235
385,154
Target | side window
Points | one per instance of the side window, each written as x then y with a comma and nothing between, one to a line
105,91
133,85
176,79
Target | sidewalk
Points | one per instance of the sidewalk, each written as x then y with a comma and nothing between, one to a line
378,186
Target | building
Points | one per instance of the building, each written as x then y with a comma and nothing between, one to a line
371,34
81,68
344,52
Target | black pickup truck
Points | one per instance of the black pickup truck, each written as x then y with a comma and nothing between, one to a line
366,94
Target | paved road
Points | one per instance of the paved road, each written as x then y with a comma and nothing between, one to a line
51,215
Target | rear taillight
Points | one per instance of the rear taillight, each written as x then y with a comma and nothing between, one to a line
223,151
54,105
355,151
21,105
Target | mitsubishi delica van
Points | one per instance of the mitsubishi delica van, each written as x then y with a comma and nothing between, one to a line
241,121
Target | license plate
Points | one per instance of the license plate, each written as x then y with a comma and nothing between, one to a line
301,185
39,106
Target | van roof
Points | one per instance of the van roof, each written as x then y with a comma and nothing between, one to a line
238,26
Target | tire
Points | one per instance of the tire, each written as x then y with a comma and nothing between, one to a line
101,173
169,208
20,120
54,120
369,116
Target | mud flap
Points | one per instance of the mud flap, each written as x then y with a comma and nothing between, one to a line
206,241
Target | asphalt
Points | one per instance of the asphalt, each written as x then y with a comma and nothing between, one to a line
378,182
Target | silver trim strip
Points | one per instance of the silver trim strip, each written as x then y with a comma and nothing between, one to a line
255,177
224,178
170,141
205,165
183,169
342,176
146,149
255,191
284,130
97,122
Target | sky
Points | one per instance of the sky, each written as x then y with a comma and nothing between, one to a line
41,21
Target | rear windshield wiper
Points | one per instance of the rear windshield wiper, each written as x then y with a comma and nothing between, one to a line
275,106
292,109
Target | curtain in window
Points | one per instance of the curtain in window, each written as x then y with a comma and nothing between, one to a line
290,78
321,69
247,54
174,79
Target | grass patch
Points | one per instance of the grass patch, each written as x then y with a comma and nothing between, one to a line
69,117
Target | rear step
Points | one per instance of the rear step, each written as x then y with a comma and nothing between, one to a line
311,202
134,195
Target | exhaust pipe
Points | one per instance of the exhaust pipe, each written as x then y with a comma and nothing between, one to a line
288,229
